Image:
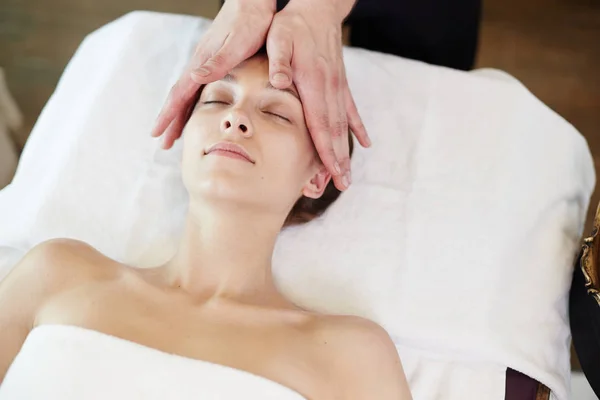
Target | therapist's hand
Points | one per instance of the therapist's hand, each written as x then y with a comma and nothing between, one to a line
239,31
304,45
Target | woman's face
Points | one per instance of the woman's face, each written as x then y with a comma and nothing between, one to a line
244,109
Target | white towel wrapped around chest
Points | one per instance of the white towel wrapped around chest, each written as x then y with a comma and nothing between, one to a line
457,235
62,362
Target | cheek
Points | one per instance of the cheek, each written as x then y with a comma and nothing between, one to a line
198,128
292,158
195,138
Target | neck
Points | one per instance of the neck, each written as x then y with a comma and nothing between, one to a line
225,253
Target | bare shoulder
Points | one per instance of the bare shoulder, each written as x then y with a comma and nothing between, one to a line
50,268
59,251
352,327
357,337
57,263
46,270
52,249
363,358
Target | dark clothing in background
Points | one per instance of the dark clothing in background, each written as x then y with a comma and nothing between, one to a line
440,32
584,316
521,387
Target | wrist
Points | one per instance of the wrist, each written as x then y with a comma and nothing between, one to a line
338,8
269,5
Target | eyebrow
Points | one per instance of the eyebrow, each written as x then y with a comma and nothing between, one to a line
286,90
229,78
232,79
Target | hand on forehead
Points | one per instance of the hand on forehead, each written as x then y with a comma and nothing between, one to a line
257,68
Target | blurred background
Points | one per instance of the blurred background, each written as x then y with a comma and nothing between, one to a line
552,46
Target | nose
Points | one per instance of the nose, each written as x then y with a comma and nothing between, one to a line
237,123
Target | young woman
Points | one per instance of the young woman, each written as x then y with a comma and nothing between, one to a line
210,323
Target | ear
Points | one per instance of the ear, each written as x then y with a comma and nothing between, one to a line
317,184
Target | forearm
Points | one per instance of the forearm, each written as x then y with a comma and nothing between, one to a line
341,8
269,4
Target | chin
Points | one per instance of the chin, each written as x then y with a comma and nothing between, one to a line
212,178
221,188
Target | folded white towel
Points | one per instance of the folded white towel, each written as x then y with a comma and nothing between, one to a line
457,235
61,362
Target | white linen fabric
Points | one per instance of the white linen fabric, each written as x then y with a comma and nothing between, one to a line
457,234
73,363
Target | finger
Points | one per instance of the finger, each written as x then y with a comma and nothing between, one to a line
310,82
182,90
337,111
170,136
168,141
280,50
179,96
338,126
175,129
354,120
232,52
202,54
339,129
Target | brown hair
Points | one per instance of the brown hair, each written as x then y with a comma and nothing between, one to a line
307,209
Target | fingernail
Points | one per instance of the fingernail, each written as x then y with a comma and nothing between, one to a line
337,168
280,77
369,141
202,71
345,181
349,177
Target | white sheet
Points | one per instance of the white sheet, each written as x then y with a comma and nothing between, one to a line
457,235
62,362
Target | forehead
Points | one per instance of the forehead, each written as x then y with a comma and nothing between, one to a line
255,70
258,63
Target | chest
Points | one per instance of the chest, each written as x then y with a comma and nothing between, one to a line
267,344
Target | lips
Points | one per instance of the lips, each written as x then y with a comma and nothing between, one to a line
231,148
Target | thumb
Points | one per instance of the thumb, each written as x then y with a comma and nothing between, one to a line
279,50
221,62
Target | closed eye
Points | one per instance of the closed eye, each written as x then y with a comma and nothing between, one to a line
215,102
278,116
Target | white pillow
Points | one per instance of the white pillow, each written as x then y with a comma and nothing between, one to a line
457,235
